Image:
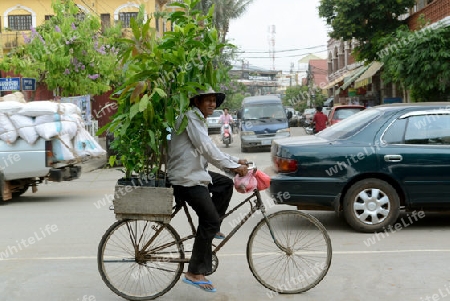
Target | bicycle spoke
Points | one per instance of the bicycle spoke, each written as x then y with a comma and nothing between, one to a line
133,273
303,260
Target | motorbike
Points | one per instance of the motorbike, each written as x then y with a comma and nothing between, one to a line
227,135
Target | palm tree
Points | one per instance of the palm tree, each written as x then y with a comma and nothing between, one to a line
225,10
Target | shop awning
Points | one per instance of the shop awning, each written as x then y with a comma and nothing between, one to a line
338,79
349,80
366,77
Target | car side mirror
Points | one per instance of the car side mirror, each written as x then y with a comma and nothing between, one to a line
239,113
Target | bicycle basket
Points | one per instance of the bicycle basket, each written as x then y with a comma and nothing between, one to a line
143,203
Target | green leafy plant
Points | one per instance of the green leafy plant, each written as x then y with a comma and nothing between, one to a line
69,53
161,74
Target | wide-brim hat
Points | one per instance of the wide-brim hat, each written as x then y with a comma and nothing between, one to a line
220,97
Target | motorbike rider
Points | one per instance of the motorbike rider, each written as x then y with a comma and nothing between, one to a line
226,118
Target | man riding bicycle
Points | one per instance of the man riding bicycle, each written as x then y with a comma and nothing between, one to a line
208,193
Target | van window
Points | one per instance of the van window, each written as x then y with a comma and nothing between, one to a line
264,111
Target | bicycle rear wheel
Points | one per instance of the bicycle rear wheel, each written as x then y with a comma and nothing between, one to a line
134,259
304,263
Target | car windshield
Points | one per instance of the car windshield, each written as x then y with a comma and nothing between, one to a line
344,113
216,114
264,111
351,125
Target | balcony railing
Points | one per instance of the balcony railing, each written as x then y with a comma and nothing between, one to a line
10,40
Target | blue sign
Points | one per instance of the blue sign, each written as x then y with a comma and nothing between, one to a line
28,84
10,84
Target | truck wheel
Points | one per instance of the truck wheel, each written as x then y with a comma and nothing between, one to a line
371,205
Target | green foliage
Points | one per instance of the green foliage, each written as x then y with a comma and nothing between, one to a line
235,93
162,73
68,53
296,97
420,60
366,21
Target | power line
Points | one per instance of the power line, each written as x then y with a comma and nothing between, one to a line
279,51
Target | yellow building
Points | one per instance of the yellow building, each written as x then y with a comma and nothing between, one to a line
18,16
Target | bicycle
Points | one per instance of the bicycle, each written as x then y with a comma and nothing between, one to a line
287,252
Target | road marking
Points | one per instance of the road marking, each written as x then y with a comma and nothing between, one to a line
238,254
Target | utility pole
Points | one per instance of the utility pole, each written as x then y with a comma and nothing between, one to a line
272,44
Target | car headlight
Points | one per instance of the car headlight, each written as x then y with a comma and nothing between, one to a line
247,133
284,130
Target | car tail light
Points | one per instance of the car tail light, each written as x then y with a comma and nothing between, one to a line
48,154
283,165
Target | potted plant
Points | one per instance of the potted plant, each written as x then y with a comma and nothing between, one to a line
161,74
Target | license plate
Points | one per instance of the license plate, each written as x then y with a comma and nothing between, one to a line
266,142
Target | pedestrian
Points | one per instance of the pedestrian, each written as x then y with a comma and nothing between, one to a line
208,193
319,120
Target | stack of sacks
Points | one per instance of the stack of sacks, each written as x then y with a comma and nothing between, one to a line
60,122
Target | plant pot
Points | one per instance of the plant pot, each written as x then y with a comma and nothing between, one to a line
143,202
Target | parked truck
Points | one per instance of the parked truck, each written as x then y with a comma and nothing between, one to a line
41,141
24,165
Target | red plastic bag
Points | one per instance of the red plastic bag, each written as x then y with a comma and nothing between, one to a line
246,183
262,179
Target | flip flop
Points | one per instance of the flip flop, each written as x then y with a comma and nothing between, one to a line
219,235
198,283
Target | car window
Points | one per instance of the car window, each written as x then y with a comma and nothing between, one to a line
395,133
344,113
216,114
428,129
351,125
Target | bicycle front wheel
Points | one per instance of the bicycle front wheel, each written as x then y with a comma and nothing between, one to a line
140,260
303,259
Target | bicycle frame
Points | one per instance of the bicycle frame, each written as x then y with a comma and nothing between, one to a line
256,204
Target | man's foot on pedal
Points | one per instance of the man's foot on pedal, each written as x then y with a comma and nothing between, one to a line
199,281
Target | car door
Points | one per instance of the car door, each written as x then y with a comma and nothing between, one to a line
415,149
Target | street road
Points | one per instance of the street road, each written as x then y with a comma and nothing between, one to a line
49,240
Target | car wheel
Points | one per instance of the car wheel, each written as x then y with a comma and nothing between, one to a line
243,149
371,205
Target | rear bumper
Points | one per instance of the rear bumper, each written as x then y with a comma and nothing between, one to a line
67,173
305,193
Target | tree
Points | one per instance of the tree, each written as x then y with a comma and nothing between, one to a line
68,53
224,11
419,60
162,73
366,21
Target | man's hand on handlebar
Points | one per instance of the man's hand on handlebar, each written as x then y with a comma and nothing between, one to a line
241,170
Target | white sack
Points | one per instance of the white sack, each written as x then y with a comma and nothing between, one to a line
25,127
68,108
48,126
85,145
10,107
8,132
37,108
62,148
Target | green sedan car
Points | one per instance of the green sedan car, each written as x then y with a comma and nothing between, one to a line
370,166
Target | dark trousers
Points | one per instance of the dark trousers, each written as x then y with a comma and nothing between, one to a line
210,203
